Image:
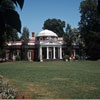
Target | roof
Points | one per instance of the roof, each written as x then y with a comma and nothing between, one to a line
46,33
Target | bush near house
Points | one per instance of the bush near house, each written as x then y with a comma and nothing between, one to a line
77,57
18,58
66,57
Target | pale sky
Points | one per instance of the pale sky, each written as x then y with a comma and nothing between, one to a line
35,12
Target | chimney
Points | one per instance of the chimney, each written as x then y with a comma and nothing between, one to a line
32,34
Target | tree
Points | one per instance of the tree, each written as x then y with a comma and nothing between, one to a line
8,4
90,28
67,38
68,29
71,37
55,25
12,35
75,35
9,18
25,35
98,7
25,40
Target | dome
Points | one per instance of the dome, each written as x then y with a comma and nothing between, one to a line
46,33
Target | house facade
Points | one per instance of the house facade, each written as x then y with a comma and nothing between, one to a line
46,45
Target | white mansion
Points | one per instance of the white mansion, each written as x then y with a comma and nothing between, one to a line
46,45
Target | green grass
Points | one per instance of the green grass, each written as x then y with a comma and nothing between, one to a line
54,80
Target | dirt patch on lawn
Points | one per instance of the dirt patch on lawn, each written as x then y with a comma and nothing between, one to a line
5,63
8,81
91,88
39,92
60,79
22,93
87,88
32,90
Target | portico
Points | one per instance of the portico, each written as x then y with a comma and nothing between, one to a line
50,52
50,47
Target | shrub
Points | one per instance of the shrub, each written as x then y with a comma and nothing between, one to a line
66,57
2,55
77,57
5,92
17,58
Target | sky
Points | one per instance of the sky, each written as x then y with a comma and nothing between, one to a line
35,12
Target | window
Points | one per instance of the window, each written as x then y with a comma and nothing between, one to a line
40,38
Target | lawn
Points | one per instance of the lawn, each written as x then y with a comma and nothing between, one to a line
54,80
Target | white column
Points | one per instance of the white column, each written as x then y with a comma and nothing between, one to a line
7,56
17,52
40,53
47,52
13,57
27,55
30,55
54,53
60,52
74,52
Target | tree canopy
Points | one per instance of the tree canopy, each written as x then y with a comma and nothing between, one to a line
90,27
71,37
25,40
12,35
25,35
55,25
9,20
98,6
8,16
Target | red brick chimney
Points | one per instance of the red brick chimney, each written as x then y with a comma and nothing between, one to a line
32,34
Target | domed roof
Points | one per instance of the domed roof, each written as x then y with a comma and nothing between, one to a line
46,33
